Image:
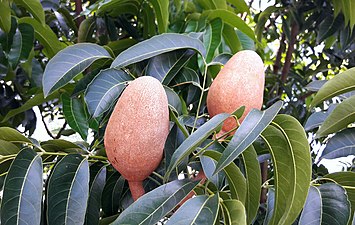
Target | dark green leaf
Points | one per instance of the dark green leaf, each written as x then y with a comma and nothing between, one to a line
104,89
342,144
317,118
112,194
155,46
8,148
208,166
199,210
116,8
341,83
186,76
235,212
262,19
5,16
161,9
335,205
154,205
173,99
12,135
212,37
70,62
120,45
34,7
270,205
312,210
195,140
59,145
246,42
22,197
96,184
252,126
148,18
315,85
68,190
231,38
75,115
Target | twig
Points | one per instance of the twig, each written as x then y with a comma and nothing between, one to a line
46,127
61,130
78,10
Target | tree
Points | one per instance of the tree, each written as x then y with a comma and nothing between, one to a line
75,64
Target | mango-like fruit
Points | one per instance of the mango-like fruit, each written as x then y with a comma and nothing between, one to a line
137,130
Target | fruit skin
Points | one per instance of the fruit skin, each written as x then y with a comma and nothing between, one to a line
137,130
240,82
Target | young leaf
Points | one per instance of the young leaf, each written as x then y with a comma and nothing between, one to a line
341,83
154,205
195,140
155,46
212,37
22,197
254,123
68,190
312,210
75,115
339,118
70,62
104,89
198,210
234,211
342,144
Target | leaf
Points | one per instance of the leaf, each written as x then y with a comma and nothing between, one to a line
166,66
22,44
59,145
112,194
301,170
312,210
75,115
246,42
315,85
252,126
120,45
86,29
339,118
270,205
235,178
68,190
347,180
231,38
186,76
208,166
7,148
22,195
12,135
96,184
148,19
317,118
262,19
45,35
212,37
161,9
240,5
115,8
341,83
253,182
235,212
5,16
342,144
154,205
104,89
70,62
157,45
231,19
34,7
195,140
336,207
198,210
173,99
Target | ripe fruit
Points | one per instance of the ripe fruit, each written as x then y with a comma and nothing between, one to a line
137,130
240,82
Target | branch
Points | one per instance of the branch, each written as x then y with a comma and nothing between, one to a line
263,167
290,49
61,130
78,10
46,127
277,63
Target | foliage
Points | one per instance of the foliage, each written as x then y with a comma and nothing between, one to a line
75,63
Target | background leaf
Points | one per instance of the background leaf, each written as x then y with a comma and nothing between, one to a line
312,210
68,190
212,37
112,194
157,45
5,16
34,7
341,144
235,212
161,9
22,197
70,62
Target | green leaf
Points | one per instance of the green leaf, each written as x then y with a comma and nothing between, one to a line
161,9
70,62
154,205
235,178
335,205
231,19
22,197
68,190
212,37
86,29
246,42
262,19
231,38
342,144
115,8
270,205
194,140
252,126
253,182
186,76
347,180
339,118
34,7
208,166
5,16
12,135
148,19
8,148
75,115
96,184
317,118
198,210
235,212
112,194
173,99
104,89
166,66
312,210
300,165
340,84
22,44
45,35
120,45
155,46
60,145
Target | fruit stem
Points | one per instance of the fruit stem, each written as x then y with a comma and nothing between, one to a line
136,188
